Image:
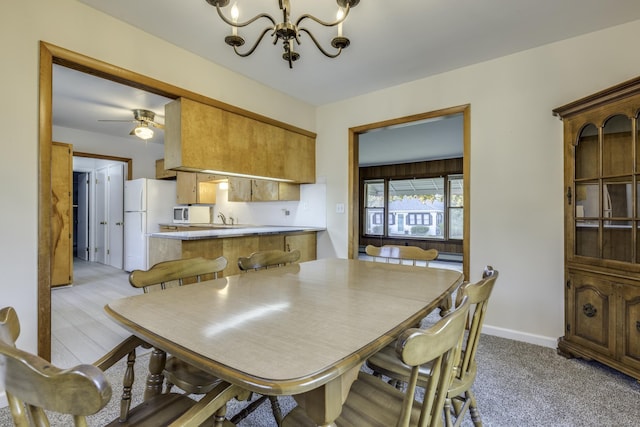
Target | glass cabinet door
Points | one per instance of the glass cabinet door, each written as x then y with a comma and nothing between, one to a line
605,183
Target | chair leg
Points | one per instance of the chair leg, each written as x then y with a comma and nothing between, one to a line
127,384
473,409
219,417
248,410
448,422
275,408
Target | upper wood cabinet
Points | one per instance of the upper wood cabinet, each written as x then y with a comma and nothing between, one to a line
201,137
260,190
162,173
196,188
602,227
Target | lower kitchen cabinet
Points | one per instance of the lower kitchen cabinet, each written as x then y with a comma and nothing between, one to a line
164,249
304,242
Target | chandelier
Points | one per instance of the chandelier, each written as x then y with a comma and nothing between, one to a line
286,30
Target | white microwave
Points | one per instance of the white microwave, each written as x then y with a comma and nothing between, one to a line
192,214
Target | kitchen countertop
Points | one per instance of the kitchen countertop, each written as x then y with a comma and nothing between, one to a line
221,231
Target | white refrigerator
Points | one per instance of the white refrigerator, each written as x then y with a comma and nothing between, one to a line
147,204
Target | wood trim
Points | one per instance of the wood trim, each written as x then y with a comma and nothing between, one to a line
51,54
126,160
606,96
466,173
44,203
354,192
62,56
354,179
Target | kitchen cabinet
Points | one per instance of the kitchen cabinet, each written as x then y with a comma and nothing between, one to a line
164,249
61,214
260,190
162,173
196,188
305,242
602,227
200,137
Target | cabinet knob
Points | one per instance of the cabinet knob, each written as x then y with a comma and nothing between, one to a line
589,310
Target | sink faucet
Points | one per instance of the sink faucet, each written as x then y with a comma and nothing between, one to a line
222,218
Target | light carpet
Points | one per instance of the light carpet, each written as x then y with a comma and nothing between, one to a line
518,384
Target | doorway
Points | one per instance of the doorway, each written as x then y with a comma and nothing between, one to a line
98,208
50,55
355,197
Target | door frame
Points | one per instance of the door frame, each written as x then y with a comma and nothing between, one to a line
354,174
51,54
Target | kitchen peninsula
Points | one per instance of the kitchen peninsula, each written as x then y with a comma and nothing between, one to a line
231,242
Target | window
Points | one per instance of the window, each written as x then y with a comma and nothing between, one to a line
415,208
456,208
374,207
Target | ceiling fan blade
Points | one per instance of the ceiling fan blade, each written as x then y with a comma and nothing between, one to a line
157,125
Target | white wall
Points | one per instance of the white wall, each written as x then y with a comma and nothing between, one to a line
76,27
143,154
516,163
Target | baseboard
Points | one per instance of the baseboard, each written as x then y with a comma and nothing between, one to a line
3,400
551,342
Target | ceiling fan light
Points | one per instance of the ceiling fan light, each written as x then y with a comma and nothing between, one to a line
143,132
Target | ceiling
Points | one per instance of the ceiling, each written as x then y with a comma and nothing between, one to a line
391,43
389,46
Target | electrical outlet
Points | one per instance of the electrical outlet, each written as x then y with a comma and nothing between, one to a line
340,208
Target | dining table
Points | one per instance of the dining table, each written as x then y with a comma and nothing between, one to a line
302,330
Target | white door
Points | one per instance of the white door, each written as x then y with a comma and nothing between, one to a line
82,220
116,215
101,215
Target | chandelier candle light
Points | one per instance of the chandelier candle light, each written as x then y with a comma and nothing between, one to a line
286,31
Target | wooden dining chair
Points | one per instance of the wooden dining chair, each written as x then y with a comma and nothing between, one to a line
258,261
371,402
411,254
268,259
399,254
176,273
34,388
460,397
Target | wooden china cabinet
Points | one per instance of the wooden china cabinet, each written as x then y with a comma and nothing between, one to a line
602,227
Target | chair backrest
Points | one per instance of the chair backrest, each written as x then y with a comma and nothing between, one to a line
478,294
177,271
33,385
266,259
401,253
440,344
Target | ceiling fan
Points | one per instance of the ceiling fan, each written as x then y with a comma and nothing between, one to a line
145,120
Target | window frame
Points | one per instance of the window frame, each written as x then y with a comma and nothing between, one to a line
409,218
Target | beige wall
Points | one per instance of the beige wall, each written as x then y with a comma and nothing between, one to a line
516,163
516,147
